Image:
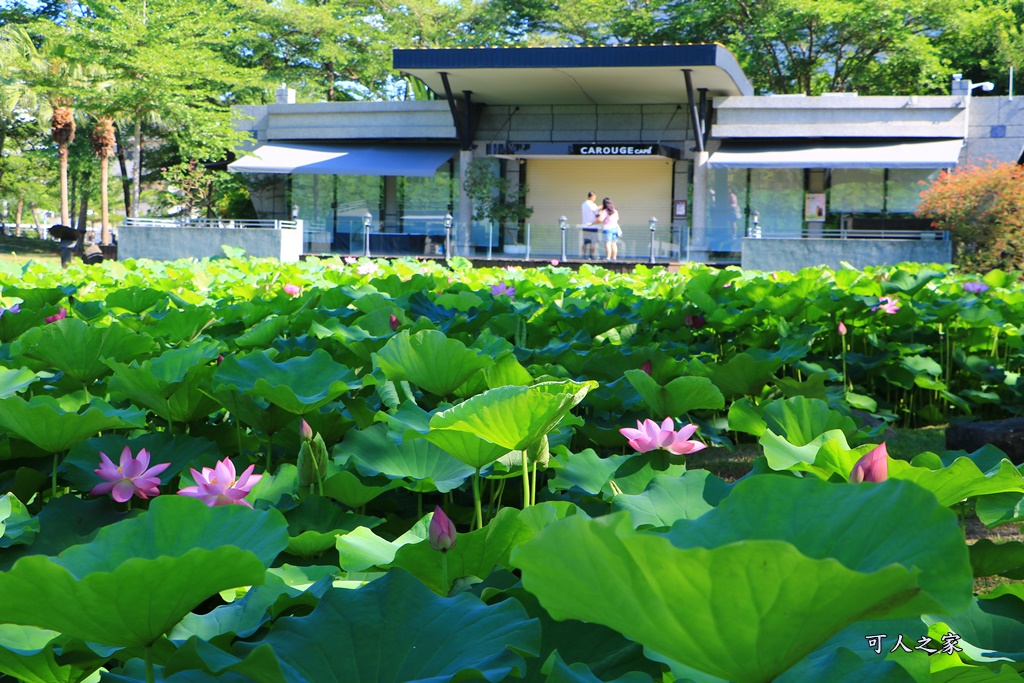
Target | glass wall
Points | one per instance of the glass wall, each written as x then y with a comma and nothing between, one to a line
858,190
726,219
904,187
777,198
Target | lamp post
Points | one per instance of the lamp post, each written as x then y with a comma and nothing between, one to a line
448,236
563,225
653,224
367,222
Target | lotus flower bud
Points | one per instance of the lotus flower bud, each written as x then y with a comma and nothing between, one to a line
442,531
874,466
394,322
305,431
312,461
646,367
842,329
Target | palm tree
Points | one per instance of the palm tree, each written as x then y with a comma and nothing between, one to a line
103,138
62,130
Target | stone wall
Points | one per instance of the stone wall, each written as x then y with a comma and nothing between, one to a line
794,254
172,243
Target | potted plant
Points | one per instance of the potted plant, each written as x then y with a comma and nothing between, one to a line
496,200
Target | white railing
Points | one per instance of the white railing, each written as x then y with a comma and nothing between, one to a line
844,234
220,223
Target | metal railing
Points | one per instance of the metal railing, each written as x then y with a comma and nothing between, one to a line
220,223
758,232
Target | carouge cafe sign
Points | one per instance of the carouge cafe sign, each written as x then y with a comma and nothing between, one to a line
581,149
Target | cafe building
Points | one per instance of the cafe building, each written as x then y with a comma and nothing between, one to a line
699,166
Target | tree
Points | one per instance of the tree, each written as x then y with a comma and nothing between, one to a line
103,146
983,208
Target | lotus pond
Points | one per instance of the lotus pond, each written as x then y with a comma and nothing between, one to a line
240,470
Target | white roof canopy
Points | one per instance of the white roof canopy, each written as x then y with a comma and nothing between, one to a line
327,159
765,153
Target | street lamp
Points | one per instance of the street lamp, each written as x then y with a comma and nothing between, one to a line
563,224
448,236
653,224
367,222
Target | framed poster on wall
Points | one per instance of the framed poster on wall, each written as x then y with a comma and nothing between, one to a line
814,206
679,208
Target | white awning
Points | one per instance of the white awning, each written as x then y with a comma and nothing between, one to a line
374,160
837,154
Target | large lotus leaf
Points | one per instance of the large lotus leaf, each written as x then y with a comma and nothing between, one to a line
991,630
586,470
81,350
350,489
430,360
43,422
557,671
178,395
678,397
843,665
241,617
852,523
960,480
253,410
412,422
196,656
134,299
176,326
299,385
427,466
668,499
976,674
139,577
263,333
16,380
513,417
357,340
799,420
361,549
740,375
745,612
315,524
26,654
394,630
1003,559
780,454
63,522
638,471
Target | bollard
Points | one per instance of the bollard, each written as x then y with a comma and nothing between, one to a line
653,223
563,224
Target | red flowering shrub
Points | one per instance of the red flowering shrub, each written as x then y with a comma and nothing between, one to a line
983,208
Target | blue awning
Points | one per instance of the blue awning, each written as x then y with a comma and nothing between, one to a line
325,159
851,153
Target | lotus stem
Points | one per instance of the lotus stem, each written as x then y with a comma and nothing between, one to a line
476,499
150,674
270,449
526,482
445,588
419,504
53,478
501,493
533,484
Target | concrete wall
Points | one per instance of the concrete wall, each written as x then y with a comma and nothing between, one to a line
995,129
427,120
794,116
172,243
665,123
794,254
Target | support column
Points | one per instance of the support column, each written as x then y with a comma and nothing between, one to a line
464,214
699,216
390,222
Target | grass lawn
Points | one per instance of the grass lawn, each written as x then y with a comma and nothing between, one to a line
23,249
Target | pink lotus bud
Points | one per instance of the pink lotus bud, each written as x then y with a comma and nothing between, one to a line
220,358
393,320
874,466
842,329
646,367
442,531
292,290
305,431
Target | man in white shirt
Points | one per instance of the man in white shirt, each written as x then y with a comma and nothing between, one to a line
588,224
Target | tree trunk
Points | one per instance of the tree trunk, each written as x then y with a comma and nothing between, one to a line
73,195
137,169
104,201
3,140
126,183
62,154
83,219
17,216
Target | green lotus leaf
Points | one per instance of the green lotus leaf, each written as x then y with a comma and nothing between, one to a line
361,549
843,665
976,674
14,381
352,637
181,325
315,524
357,340
174,386
27,655
740,375
429,360
139,577
960,480
196,661
255,411
513,417
678,397
638,471
997,559
43,422
426,466
299,385
799,420
134,299
848,522
557,671
686,603
469,448
668,499
263,333
241,617
63,522
586,470
16,524
81,350
349,489
991,630
780,454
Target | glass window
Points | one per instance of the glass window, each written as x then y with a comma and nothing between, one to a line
425,201
777,195
857,190
904,188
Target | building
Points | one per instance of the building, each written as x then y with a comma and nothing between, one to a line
699,167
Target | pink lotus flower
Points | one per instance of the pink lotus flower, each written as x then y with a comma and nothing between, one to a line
349,260
887,305
696,322
130,477
646,367
368,268
503,289
220,486
842,329
442,531
975,287
649,436
554,262
292,290
59,315
394,322
874,466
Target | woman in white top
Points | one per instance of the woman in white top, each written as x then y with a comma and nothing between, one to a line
608,217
